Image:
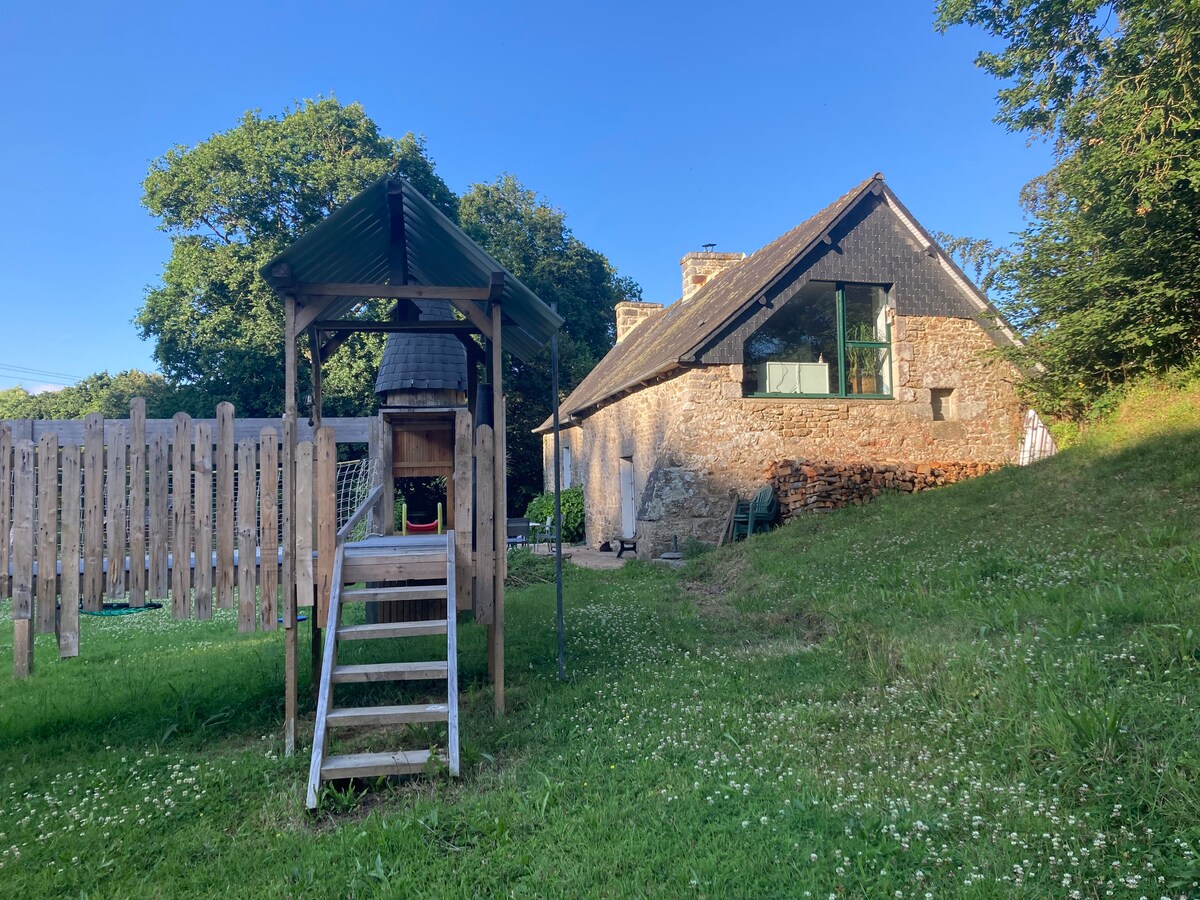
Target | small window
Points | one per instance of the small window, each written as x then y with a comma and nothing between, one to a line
942,401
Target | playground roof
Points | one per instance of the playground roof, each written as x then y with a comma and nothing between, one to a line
391,235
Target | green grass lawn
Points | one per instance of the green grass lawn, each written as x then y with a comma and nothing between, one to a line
986,690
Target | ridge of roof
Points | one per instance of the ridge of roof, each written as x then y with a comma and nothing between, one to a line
659,344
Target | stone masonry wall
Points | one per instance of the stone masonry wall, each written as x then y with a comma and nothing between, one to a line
695,441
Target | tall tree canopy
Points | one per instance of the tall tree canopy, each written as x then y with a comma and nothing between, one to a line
231,203
531,239
1105,277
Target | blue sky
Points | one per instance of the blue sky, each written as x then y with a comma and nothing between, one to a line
656,127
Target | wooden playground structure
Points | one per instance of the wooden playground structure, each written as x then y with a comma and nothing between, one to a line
245,514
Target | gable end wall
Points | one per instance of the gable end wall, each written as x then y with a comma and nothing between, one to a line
871,246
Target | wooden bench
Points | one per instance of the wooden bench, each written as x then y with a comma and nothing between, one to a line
626,543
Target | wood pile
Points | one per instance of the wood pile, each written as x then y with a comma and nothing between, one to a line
804,485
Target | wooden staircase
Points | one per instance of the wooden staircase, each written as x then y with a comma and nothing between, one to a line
382,560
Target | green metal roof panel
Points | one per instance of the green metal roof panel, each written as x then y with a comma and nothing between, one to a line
352,245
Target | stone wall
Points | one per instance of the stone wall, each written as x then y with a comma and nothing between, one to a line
695,441
812,486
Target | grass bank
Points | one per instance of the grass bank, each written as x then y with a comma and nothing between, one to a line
981,691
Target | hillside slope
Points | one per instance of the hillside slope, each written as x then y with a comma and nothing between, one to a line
985,690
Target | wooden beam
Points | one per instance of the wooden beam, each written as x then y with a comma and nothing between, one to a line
340,325
398,243
393,291
474,315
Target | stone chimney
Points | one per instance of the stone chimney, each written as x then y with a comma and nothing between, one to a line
630,314
700,268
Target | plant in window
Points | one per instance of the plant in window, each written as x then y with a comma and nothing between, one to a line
862,361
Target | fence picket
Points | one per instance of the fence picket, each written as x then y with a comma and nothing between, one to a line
304,524
203,576
225,534
137,501
158,583
268,528
93,512
47,533
68,615
181,517
22,605
326,498
5,508
115,541
247,529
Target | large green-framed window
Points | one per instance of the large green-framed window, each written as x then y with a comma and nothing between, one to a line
832,339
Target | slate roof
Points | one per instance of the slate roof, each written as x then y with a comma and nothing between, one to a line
657,345
667,341
424,361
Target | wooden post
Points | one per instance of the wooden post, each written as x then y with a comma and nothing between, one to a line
485,555
68,616
181,517
320,601
5,507
289,529
115,542
247,528
500,473
225,467
93,512
159,573
22,536
268,529
203,517
462,508
47,533
137,501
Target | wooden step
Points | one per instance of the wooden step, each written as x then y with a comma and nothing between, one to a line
368,765
382,595
393,671
390,630
399,568
387,715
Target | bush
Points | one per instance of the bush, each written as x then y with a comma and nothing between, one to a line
541,508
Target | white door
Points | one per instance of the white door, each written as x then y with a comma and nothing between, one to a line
566,467
628,520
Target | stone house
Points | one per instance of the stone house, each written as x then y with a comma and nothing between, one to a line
851,337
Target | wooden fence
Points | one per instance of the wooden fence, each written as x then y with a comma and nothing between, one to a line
189,511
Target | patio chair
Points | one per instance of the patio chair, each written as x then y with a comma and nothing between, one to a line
543,533
757,515
518,533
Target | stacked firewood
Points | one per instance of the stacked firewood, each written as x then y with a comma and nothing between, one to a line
804,485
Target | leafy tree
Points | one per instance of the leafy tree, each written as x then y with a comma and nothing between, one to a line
1104,277
531,239
232,202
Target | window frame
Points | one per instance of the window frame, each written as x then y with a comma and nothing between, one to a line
843,345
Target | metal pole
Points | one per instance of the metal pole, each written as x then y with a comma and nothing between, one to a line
558,570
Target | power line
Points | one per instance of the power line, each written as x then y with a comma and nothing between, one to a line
26,379
39,372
